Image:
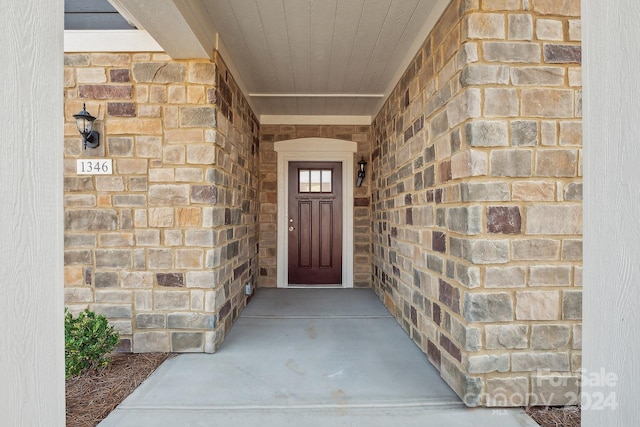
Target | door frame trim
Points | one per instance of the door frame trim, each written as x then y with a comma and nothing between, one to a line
316,149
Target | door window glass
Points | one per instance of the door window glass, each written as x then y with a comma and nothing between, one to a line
315,180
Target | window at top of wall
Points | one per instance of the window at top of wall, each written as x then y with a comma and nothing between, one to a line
93,15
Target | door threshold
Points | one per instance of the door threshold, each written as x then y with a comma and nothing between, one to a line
314,287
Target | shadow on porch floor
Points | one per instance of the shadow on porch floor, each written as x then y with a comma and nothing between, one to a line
312,357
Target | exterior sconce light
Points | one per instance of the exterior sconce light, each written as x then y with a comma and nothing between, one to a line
84,123
361,172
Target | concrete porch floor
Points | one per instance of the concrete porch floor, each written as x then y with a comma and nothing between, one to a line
308,357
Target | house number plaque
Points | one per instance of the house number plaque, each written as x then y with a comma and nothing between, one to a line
94,167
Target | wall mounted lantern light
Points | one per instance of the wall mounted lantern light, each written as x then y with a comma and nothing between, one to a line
361,172
84,122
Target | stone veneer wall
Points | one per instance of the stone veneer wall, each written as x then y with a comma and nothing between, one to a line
164,246
269,134
476,207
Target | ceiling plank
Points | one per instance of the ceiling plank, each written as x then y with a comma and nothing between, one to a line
323,29
347,22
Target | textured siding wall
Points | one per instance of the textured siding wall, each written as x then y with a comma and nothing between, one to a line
164,246
477,189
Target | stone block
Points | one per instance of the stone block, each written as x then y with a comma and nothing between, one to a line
575,30
524,133
557,163
147,237
537,305
105,91
149,147
84,183
188,217
79,201
503,219
488,307
131,166
177,95
562,54
520,27
201,154
552,103
571,305
549,275
189,259
205,194
200,117
577,337
487,134
129,200
483,26
507,392
484,192
116,239
478,74
143,300
501,337
187,342
105,279
168,195
119,147
468,387
202,72
121,109
119,75
151,321
113,258
468,276
91,220
191,321
511,163
171,280
486,363
528,362
159,72
505,277
537,76
189,175
571,133
554,219
159,258
78,295
463,107
549,337
113,311
77,257
549,29
556,390
533,191
160,217
511,52
572,250
201,279
113,297
151,342
535,250
557,7
466,220
469,163
110,59
76,60
501,102
171,300
204,238
498,5
173,155
137,279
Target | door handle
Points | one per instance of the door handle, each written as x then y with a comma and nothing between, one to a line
291,228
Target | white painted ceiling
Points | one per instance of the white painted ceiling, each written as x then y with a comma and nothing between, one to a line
305,57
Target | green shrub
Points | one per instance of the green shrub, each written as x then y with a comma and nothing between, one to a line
87,339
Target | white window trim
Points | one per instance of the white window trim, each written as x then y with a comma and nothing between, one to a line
316,149
109,41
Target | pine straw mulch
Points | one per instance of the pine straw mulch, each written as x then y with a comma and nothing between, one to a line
561,416
92,395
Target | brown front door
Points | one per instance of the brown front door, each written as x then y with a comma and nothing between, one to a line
315,223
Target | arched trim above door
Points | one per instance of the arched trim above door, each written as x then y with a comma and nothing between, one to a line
316,149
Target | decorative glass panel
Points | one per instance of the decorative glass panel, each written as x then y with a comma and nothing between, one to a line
315,181
326,181
304,181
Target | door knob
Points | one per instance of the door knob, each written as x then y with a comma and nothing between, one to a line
291,228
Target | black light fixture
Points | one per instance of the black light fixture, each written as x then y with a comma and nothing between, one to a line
361,172
84,123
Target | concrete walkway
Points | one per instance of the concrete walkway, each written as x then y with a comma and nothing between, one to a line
306,357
